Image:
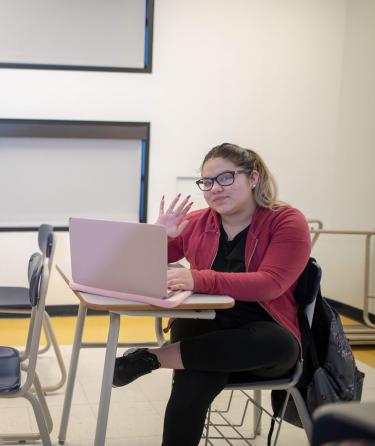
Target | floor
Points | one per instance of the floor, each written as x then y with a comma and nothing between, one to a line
136,414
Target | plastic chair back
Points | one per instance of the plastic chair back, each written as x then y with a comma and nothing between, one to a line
45,239
308,284
35,270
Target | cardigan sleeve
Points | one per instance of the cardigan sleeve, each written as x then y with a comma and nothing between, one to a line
175,249
176,245
284,260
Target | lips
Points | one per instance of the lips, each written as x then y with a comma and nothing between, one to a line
218,200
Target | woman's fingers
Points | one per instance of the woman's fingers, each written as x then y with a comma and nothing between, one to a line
172,276
180,279
176,287
173,204
187,209
175,284
161,207
180,209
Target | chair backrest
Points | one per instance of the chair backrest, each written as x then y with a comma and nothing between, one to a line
47,245
308,287
35,271
45,239
38,284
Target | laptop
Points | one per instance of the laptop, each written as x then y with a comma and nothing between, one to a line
123,260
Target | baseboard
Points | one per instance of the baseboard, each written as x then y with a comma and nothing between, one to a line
54,310
349,311
69,310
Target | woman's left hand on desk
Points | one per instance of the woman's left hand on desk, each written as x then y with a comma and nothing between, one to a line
180,279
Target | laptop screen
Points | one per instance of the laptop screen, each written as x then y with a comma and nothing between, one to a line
119,256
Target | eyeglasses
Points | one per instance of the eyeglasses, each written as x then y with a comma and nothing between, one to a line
224,179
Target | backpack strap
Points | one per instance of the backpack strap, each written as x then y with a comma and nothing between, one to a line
272,426
307,338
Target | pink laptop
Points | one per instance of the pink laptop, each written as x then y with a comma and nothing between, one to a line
121,260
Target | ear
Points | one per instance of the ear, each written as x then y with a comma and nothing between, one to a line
254,179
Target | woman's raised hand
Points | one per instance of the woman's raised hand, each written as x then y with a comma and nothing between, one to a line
171,219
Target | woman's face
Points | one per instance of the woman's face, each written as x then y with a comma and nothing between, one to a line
228,200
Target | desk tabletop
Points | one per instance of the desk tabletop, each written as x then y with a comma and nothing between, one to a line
104,303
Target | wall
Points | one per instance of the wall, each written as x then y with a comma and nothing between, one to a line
276,76
353,178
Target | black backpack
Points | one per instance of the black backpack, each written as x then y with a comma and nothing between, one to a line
329,369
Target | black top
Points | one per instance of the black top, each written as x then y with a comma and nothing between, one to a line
230,257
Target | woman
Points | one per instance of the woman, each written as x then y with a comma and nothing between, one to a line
247,245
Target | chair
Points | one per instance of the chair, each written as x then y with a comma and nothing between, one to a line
11,364
15,300
344,422
306,292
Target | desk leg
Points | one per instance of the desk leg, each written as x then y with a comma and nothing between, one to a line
105,393
82,310
257,424
159,331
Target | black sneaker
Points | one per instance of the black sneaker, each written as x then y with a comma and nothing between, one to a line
134,363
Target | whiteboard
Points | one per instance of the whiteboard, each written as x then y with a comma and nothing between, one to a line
80,33
48,180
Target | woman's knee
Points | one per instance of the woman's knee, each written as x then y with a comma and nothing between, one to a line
288,348
187,328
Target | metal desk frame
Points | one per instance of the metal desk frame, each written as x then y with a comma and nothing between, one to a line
196,306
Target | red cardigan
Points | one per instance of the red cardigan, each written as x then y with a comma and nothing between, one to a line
277,248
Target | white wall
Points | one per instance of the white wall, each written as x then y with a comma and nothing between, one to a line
84,32
281,77
353,180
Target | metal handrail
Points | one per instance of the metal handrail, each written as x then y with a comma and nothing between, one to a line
366,295
319,224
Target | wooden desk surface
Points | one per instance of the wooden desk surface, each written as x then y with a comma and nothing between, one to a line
103,303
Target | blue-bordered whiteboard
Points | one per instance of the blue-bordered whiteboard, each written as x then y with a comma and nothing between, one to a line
51,170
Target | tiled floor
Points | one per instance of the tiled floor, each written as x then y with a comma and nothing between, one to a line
136,414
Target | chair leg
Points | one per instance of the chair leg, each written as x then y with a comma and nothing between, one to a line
23,437
51,341
236,428
43,403
257,415
302,412
25,354
208,418
42,416
41,421
48,340
281,418
50,335
159,332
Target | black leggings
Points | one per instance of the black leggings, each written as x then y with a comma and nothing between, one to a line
212,356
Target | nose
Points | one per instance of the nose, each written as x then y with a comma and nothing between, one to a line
217,187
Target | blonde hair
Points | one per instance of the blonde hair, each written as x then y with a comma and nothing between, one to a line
265,191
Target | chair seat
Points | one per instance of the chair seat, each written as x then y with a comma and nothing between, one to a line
244,380
10,371
14,298
261,384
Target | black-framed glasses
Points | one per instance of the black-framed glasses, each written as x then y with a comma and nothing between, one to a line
224,179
